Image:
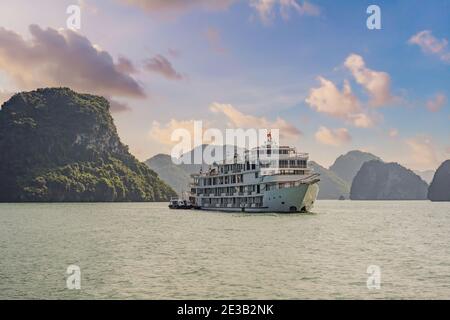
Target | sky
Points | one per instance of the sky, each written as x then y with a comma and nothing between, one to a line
312,69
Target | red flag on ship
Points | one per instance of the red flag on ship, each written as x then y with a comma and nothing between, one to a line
269,136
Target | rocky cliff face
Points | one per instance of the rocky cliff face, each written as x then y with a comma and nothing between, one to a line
377,180
440,186
347,166
58,145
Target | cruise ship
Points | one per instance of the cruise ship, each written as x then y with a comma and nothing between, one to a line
268,178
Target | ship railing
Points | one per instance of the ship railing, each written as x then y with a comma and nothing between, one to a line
314,177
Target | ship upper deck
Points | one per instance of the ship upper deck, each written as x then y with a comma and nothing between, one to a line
266,160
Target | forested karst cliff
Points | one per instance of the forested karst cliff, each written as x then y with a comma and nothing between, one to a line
59,145
377,180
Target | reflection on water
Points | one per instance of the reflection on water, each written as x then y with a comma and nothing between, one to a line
146,251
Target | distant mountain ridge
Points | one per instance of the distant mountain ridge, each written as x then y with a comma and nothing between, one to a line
176,176
347,166
331,187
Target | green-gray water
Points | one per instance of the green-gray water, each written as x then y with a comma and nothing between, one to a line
146,251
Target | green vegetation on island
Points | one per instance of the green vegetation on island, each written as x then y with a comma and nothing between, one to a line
59,145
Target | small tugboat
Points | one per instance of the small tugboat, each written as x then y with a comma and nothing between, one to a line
176,203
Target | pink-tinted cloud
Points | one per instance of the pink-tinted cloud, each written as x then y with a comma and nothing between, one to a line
423,153
437,102
333,137
63,58
431,45
239,119
393,133
447,150
88,6
125,65
266,10
160,65
376,83
174,53
162,133
328,99
118,107
171,7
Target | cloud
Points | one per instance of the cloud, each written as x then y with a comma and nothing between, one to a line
266,8
88,6
376,83
214,40
431,45
422,153
175,7
238,119
437,102
63,58
162,133
174,53
159,64
118,107
447,150
343,104
336,137
125,66
393,133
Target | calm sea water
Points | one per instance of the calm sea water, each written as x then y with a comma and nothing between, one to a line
146,251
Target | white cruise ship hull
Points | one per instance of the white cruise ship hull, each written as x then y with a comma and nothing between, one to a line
296,199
